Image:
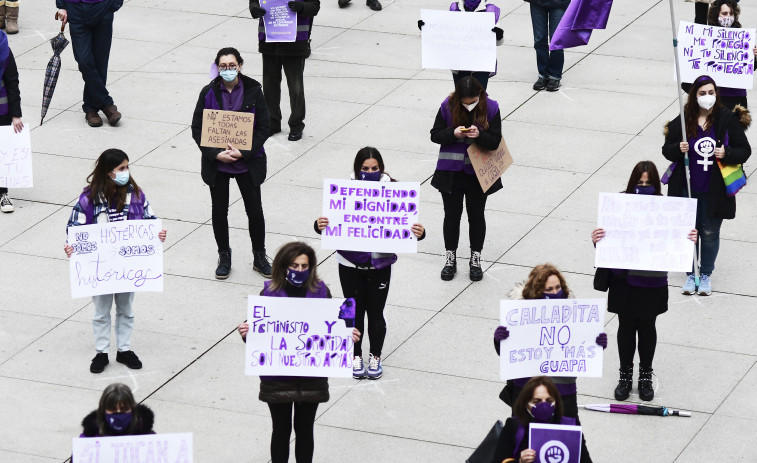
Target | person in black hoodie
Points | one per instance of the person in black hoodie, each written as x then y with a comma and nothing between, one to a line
118,414
233,91
10,112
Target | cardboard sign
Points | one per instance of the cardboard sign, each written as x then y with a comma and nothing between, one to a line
221,128
551,337
279,21
645,232
555,443
15,158
370,216
170,448
116,257
455,40
723,53
489,165
299,337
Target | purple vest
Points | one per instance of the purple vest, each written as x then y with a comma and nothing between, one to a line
378,260
454,157
304,25
321,293
136,207
489,8
212,103
643,278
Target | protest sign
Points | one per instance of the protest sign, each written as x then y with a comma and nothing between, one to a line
645,232
280,21
723,53
116,257
15,158
370,216
221,128
551,337
453,40
157,448
489,165
299,337
555,443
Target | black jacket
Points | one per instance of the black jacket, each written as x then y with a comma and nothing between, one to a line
142,416
10,79
720,205
506,445
253,98
298,48
550,3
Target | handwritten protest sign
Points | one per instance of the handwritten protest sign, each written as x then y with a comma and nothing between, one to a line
220,128
645,232
489,165
551,337
157,448
370,216
15,158
555,443
453,40
116,257
280,21
299,337
723,53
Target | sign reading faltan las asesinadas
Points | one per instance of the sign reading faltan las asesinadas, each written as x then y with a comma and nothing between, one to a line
223,128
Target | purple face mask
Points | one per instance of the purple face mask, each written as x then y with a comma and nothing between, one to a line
118,421
471,5
644,190
297,278
542,412
558,295
370,176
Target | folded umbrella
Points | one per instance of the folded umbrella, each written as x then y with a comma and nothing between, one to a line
633,409
580,18
58,43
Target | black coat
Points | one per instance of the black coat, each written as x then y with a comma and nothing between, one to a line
142,416
550,3
720,205
10,79
253,98
298,48
507,445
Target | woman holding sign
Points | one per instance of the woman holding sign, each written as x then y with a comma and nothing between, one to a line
233,91
466,117
10,110
111,196
294,275
365,276
118,414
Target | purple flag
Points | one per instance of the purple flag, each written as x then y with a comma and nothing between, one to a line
555,443
581,17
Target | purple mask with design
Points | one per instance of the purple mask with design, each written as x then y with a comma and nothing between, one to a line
118,421
370,176
644,190
297,278
542,412
558,295
471,5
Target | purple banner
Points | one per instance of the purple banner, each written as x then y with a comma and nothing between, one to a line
280,22
555,443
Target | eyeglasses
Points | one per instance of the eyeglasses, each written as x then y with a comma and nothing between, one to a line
231,67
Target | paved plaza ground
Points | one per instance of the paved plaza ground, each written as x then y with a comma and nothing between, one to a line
364,86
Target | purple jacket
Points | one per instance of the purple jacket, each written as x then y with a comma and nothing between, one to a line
454,157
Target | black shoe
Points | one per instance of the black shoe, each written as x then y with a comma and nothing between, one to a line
540,84
129,359
224,265
275,130
646,391
99,363
343,3
623,390
450,267
373,4
476,273
553,85
260,263
295,135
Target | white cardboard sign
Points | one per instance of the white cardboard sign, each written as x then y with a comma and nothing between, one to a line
459,41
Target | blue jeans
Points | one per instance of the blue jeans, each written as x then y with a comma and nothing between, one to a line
124,321
549,64
481,77
709,235
91,29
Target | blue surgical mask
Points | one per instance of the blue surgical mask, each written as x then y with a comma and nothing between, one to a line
558,295
297,278
122,178
542,412
370,176
644,190
229,75
118,421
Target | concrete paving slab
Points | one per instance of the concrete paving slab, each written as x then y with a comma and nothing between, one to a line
363,47
721,435
18,330
739,403
240,33
166,26
15,457
32,212
58,190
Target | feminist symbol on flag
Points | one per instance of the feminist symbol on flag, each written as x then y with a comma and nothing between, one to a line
705,147
554,451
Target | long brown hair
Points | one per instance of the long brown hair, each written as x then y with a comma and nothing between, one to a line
691,110
363,155
469,87
284,258
654,177
537,279
520,409
714,12
103,188
117,396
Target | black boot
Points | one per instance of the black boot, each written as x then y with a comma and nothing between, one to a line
476,273
224,264
623,390
450,267
646,391
260,263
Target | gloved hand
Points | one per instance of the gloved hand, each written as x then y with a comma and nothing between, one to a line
499,33
256,11
500,334
602,340
297,7
421,24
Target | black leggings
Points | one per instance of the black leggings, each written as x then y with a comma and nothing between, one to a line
475,203
253,205
304,419
370,289
628,327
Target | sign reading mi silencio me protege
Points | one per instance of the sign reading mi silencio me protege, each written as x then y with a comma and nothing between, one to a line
370,216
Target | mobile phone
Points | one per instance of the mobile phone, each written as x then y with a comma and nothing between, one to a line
465,130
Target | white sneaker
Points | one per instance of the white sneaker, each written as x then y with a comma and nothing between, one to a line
358,370
6,205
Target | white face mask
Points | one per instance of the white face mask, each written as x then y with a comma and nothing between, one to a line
470,107
706,102
726,21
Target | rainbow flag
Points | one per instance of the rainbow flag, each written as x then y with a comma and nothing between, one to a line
734,178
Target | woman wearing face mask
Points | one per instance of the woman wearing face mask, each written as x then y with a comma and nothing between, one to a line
365,276
544,282
539,402
294,274
714,136
118,415
638,297
468,116
233,91
111,196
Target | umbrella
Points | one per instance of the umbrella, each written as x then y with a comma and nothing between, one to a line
58,43
632,409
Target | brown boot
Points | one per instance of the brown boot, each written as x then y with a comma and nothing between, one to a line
11,19
93,119
111,112
2,16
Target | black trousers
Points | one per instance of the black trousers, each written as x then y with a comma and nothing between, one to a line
91,29
475,203
304,420
294,68
628,328
253,205
370,289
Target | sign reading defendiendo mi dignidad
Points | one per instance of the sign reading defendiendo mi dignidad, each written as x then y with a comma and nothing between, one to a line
222,128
